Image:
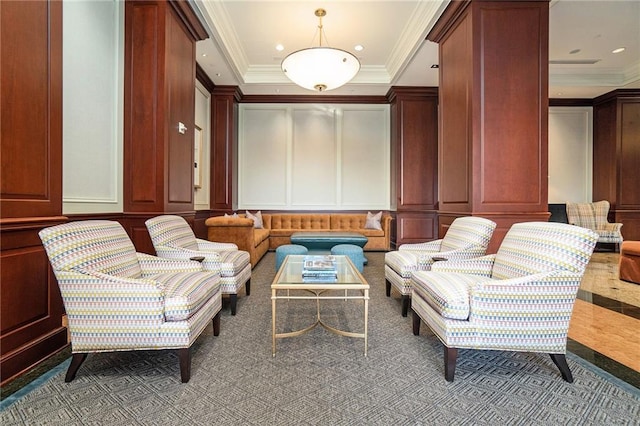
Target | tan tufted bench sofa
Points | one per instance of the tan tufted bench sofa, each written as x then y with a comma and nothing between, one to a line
278,227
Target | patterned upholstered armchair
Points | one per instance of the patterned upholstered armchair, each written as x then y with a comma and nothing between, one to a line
467,237
120,300
173,238
519,299
594,216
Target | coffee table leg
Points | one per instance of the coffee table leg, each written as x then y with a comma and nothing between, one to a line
366,319
273,323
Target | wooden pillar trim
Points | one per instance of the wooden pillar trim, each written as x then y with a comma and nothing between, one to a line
189,19
493,110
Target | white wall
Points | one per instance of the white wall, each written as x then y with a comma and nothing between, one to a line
202,121
313,157
93,59
570,154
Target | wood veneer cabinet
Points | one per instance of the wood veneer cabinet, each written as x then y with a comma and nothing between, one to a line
31,182
414,162
616,157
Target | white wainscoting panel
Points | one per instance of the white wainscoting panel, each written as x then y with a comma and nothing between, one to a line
570,154
92,106
202,120
263,157
313,157
365,159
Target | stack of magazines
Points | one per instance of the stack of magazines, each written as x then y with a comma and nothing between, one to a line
319,269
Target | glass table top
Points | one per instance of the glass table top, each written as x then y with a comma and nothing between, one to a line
290,273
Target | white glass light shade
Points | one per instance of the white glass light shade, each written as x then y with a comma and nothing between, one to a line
320,68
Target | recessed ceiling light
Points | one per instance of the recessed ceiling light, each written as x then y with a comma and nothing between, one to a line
218,74
204,54
435,66
574,51
359,48
279,48
618,50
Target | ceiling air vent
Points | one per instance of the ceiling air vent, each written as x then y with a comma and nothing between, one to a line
573,61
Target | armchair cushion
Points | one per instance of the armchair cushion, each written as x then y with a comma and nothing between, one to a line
186,293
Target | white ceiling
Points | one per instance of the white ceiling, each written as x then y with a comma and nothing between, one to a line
241,50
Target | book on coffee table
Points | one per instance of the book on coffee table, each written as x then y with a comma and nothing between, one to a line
319,263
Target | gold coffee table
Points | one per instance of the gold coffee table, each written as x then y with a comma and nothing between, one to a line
289,277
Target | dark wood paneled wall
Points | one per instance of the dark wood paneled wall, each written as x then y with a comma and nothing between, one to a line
494,111
224,119
160,90
31,182
616,157
414,163
159,95
160,73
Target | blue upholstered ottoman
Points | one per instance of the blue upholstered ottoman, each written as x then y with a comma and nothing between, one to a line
287,249
354,253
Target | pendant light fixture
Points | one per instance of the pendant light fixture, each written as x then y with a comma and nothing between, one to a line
320,68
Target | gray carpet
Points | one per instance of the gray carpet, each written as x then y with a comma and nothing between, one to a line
323,379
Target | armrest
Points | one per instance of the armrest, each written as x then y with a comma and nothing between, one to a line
89,294
151,265
545,297
481,266
615,227
239,231
204,245
229,221
429,247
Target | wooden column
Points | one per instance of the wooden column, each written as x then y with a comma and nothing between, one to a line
159,112
493,112
224,125
616,157
414,163
31,182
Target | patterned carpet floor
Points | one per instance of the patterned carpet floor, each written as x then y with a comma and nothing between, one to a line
321,378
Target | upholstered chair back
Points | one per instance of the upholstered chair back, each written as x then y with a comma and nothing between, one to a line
93,245
588,215
535,247
468,231
171,231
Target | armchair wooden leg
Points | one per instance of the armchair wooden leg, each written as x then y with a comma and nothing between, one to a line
233,302
76,362
388,288
184,354
416,322
216,324
450,356
561,362
247,287
405,305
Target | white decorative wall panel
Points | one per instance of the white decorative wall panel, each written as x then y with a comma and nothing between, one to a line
263,153
92,106
365,159
313,183
314,157
202,121
570,154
